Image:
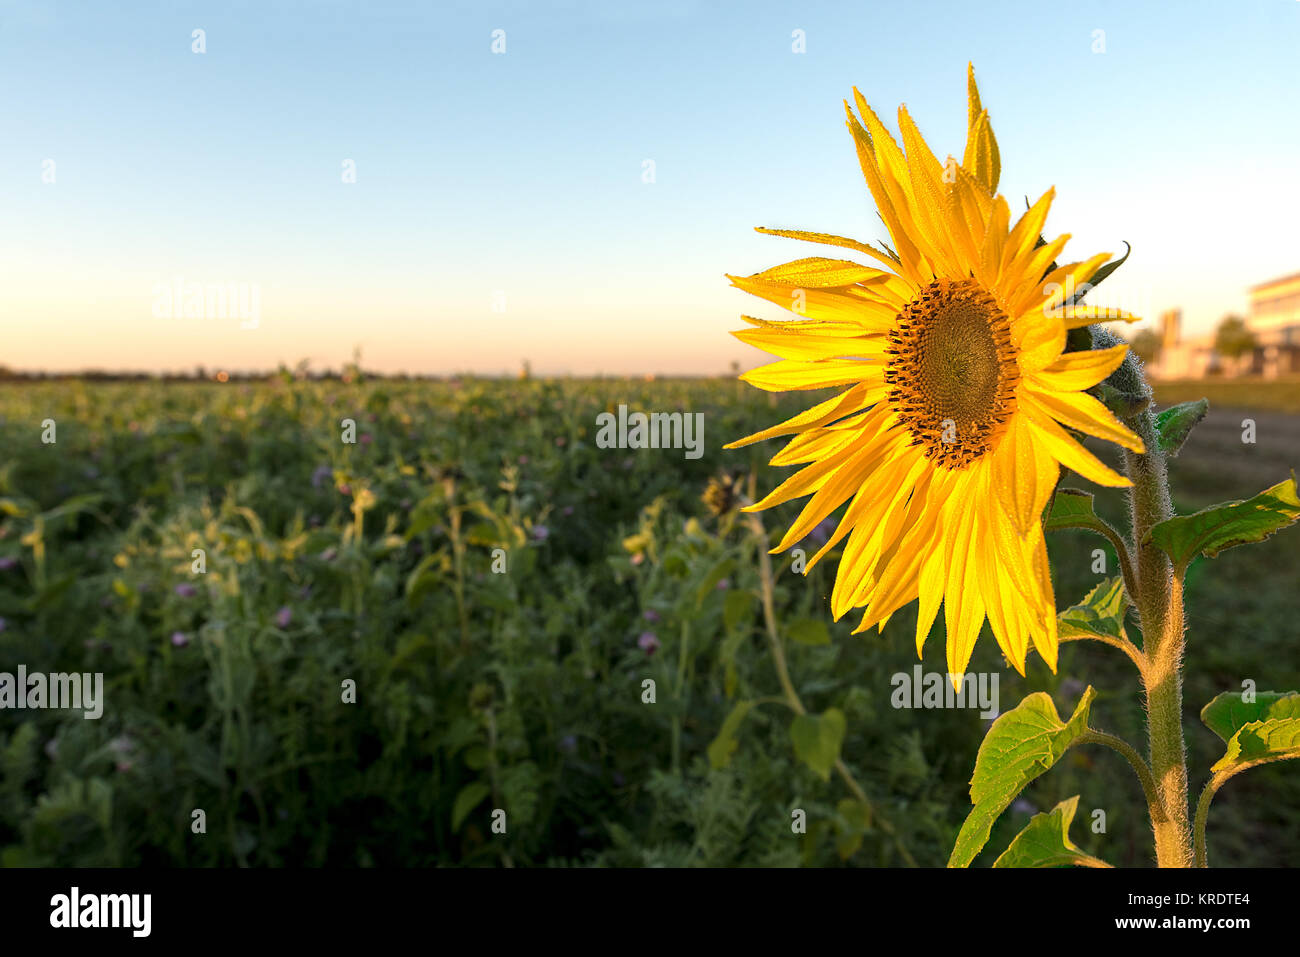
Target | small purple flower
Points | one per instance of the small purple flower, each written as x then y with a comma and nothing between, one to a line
1023,806
722,585
648,642
568,510
523,460
540,532
283,617
180,639
569,743
321,475
366,438
650,615
7,563
186,590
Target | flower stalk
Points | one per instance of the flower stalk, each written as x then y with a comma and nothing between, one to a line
1159,600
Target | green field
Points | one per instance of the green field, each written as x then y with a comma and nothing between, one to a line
513,679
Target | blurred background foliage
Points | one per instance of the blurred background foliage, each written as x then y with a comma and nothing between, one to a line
523,690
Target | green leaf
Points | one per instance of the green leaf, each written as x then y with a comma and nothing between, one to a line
1228,713
470,796
1070,509
1211,530
1020,746
1104,272
853,820
817,739
1261,742
736,606
809,631
1175,423
1045,841
1125,405
725,744
715,575
1100,613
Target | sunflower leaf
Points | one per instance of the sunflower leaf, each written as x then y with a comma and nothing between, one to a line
1211,530
1100,613
817,739
1022,744
1261,742
1072,508
1228,713
1125,405
1175,423
1045,841
809,631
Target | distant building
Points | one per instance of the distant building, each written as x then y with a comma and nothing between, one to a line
1275,321
1181,358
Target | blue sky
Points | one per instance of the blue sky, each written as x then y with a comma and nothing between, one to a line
521,173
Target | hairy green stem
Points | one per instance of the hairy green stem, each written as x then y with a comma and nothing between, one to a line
1123,644
1149,789
1203,813
1159,601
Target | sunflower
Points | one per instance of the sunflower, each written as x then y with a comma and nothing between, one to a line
948,441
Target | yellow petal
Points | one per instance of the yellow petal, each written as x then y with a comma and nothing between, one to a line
1069,452
1075,371
827,239
816,272
981,157
1023,475
792,375
846,403
793,344
963,604
1083,413
855,305
1076,317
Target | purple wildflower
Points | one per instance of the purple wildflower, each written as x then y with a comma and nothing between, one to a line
648,642
186,590
283,617
180,639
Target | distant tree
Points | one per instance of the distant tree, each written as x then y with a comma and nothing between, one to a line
1233,338
1146,344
